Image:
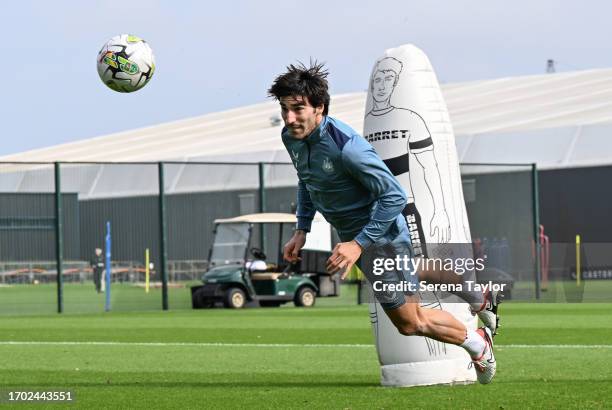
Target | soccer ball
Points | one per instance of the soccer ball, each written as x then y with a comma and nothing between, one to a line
126,63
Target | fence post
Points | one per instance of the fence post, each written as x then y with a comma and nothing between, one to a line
536,227
59,238
262,204
108,272
162,236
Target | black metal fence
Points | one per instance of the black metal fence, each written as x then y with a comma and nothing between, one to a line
54,215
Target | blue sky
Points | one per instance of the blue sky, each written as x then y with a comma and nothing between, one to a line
218,55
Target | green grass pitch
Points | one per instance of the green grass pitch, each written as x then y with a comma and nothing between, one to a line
185,369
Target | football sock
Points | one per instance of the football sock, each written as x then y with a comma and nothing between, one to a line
474,297
476,301
474,344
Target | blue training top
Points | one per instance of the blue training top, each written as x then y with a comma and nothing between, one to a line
341,176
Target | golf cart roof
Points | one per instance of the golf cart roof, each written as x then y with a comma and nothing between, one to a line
261,218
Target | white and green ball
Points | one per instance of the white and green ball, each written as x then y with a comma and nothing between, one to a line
126,63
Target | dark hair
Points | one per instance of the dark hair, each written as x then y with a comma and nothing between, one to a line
299,80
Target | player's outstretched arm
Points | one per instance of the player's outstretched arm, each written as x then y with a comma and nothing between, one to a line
305,208
344,256
292,248
366,166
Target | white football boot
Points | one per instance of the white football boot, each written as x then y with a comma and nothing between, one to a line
485,365
487,312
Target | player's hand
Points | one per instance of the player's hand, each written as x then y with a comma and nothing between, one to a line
343,257
291,248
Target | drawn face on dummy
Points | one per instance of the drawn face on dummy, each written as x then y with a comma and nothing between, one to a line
383,84
384,79
300,117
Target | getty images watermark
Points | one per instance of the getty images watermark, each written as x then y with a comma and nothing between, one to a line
555,272
452,274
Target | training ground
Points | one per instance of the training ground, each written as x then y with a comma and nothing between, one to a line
549,356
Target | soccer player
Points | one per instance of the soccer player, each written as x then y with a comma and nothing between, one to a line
341,176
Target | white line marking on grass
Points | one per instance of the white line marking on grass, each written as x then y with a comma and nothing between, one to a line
264,345
181,344
555,346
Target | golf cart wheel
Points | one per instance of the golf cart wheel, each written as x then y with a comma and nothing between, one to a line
305,297
234,298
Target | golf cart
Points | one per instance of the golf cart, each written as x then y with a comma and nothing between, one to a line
240,273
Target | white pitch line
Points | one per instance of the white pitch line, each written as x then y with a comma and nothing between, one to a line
179,344
555,346
264,345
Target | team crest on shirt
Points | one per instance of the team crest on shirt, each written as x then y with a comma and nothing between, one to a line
328,166
295,157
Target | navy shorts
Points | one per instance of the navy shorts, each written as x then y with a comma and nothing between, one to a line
400,276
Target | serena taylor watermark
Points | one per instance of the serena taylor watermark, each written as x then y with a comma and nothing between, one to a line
452,274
